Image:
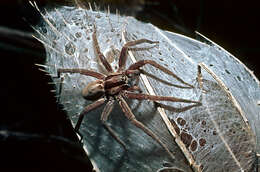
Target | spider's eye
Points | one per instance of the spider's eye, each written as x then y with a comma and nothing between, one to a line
94,90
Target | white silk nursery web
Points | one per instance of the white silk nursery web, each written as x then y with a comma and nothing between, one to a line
218,135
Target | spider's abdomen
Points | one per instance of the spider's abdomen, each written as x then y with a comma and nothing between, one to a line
94,90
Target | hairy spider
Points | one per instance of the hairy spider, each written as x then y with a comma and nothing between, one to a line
116,87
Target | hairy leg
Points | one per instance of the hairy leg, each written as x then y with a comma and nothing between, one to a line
135,88
141,96
104,117
126,47
161,80
100,55
129,114
141,63
82,72
87,109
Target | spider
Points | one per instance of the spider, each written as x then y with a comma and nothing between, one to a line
116,87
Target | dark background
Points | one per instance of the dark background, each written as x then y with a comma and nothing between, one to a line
33,129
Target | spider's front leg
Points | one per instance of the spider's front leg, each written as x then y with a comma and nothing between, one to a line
100,55
127,46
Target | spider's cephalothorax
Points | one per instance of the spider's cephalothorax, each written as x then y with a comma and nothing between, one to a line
115,83
115,86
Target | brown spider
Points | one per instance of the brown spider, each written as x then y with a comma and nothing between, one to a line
116,87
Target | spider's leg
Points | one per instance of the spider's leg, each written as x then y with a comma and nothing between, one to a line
174,109
141,63
100,55
158,78
82,72
135,88
141,96
106,112
129,114
141,48
126,47
87,109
